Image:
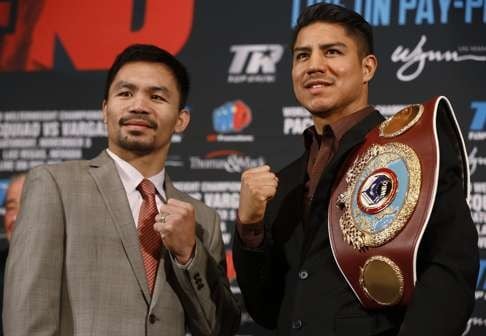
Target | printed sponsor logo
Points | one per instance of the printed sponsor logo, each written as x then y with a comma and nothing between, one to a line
478,322
413,61
61,35
405,12
295,120
475,161
477,204
477,128
254,63
232,117
174,161
3,189
230,161
474,322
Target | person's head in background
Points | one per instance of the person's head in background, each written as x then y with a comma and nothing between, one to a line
12,203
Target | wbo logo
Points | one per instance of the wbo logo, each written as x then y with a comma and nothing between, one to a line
232,117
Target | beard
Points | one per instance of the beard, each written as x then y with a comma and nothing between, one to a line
132,141
133,144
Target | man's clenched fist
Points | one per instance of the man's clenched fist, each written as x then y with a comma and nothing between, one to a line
258,186
176,224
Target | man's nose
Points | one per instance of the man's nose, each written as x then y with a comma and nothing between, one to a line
139,104
317,63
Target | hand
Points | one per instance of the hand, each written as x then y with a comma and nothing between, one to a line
176,224
258,186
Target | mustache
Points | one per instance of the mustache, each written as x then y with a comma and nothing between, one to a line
150,122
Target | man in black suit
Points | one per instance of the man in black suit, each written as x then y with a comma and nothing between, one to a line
282,252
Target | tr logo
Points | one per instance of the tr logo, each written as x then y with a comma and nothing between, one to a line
254,62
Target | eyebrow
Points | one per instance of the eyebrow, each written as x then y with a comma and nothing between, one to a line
131,86
321,46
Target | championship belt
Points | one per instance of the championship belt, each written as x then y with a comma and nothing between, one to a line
380,207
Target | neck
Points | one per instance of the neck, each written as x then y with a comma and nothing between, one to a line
321,119
148,164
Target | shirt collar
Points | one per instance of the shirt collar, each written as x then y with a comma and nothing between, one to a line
337,129
131,177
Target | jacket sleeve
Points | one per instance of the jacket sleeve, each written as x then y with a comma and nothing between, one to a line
448,258
33,281
211,308
261,275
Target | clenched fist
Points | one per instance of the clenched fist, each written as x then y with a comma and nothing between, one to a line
258,186
176,224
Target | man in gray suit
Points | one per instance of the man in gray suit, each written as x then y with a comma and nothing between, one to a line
108,246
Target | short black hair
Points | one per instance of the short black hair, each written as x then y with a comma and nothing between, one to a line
154,54
352,22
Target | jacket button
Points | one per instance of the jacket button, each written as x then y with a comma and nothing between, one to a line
303,275
297,324
152,318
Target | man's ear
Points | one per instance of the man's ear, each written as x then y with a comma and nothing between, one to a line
183,120
369,65
103,110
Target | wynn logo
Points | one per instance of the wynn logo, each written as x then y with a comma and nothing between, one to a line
418,57
475,161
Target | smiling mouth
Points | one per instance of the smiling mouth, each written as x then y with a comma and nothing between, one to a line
137,122
317,84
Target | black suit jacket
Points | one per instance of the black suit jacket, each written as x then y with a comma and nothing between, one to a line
292,284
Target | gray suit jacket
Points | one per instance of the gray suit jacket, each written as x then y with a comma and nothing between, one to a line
75,266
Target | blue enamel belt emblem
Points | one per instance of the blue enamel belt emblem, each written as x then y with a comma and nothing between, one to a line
383,187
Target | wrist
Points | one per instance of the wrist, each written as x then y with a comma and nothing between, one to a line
185,258
248,220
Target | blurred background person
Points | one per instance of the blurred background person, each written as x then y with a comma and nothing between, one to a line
12,203
12,206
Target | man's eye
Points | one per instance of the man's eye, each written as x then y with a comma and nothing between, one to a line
124,94
158,97
333,52
301,56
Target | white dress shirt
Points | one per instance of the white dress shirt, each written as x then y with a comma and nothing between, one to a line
131,178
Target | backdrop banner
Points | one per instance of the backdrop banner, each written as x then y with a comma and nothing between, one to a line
54,55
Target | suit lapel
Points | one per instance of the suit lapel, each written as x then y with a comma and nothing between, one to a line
104,172
350,140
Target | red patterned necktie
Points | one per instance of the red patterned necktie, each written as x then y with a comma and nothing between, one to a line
150,241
